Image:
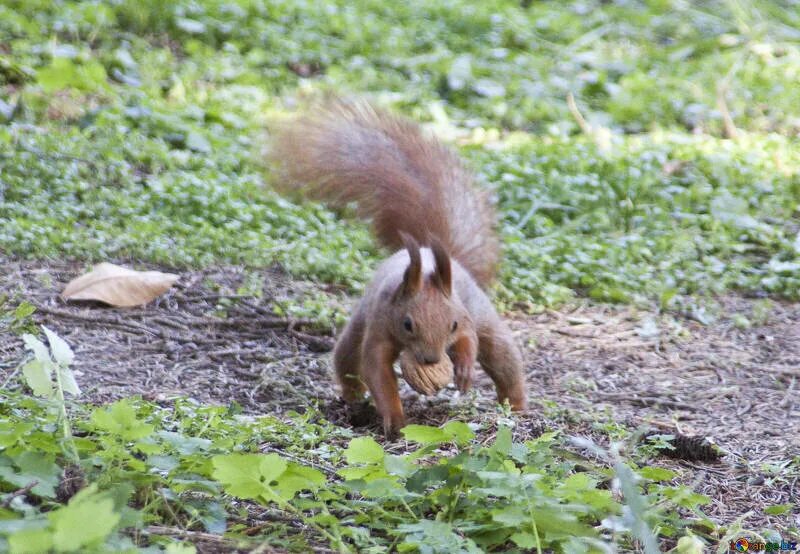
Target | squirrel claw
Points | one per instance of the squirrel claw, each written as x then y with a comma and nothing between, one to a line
464,375
391,429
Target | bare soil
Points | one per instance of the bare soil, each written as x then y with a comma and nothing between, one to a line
593,371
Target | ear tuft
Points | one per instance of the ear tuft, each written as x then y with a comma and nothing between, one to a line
412,279
443,276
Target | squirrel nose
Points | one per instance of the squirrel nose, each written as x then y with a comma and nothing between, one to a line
430,359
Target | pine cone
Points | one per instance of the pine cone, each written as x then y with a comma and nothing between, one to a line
691,449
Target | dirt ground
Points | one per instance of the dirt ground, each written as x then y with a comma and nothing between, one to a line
591,369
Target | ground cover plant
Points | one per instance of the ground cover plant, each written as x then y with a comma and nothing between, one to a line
641,153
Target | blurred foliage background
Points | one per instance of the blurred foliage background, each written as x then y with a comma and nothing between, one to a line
131,129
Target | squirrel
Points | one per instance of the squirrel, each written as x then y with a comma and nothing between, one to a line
429,297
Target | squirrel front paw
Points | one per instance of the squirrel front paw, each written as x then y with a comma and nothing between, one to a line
392,426
464,374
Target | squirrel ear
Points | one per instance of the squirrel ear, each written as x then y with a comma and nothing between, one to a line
412,279
443,278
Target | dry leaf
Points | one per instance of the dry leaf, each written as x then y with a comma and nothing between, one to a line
428,379
119,286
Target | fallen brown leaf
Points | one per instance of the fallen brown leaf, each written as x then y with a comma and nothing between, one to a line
119,286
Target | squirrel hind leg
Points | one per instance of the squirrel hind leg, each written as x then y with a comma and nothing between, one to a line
501,360
347,362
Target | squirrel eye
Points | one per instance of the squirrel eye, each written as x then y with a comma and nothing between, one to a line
408,325
455,326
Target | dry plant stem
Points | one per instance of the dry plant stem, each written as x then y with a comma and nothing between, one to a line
19,492
730,130
198,535
12,375
576,113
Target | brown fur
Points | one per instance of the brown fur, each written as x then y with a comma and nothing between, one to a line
348,151
427,301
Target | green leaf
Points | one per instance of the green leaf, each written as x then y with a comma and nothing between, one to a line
68,382
459,431
38,377
502,441
12,434
184,444
248,475
197,142
180,548
39,349
61,351
61,74
24,310
87,520
120,419
384,487
10,527
657,473
511,516
425,434
524,540
36,466
398,465
93,75
355,473
778,509
30,541
429,537
363,450
64,73
297,478
690,544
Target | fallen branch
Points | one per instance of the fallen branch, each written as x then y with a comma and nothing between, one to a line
20,492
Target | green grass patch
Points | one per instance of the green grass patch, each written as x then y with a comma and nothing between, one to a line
132,131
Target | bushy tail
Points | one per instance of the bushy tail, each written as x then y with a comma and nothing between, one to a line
348,151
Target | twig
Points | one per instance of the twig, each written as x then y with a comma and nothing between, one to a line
536,206
245,352
784,403
95,317
217,297
11,376
264,322
729,127
314,343
327,469
570,332
573,109
781,371
268,322
19,492
60,157
644,400
196,535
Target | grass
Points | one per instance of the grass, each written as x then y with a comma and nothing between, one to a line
133,132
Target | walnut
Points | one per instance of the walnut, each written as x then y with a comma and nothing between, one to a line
426,379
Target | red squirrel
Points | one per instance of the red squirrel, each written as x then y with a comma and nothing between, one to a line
428,298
